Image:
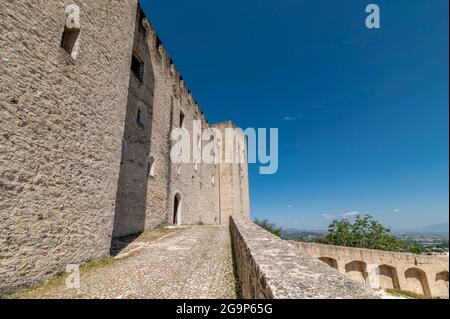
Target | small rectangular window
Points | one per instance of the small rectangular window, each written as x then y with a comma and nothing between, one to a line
70,42
138,68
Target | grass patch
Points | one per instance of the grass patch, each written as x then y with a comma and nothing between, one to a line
57,282
154,234
233,275
405,293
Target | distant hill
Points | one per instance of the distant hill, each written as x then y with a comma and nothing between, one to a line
302,235
431,229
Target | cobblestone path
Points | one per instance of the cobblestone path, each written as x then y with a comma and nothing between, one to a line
187,262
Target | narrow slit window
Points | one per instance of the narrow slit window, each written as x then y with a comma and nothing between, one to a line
181,119
138,68
70,41
140,118
151,167
123,151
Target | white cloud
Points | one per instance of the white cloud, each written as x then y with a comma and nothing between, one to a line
293,118
396,210
351,214
290,206
328,216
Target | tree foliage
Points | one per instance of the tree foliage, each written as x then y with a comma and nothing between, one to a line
269,226
366,232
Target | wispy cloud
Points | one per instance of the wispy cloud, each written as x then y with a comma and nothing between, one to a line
351,214
397,210
328,216
290,206
293,118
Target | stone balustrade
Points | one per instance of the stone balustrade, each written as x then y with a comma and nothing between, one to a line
377,269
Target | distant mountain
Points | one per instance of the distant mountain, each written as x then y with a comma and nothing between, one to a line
302,235
430,229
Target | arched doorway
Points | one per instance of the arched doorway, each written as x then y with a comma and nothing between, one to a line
177,209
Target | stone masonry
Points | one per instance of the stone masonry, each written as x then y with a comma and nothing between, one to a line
269,267
85,124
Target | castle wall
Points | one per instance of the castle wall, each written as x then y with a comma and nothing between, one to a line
199,196
147,200
85,139
61,127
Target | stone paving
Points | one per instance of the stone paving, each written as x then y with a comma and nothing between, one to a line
186,262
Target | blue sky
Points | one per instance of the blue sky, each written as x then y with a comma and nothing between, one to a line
362,114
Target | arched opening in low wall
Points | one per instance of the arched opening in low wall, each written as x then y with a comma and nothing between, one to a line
388,277
329,261
357,270
441,285
417,282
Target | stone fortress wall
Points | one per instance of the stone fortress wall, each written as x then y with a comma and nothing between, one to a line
421,274
85,138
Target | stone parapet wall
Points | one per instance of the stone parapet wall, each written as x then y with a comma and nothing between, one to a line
377,269
268,267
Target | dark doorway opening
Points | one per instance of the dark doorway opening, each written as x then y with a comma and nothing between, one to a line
176,209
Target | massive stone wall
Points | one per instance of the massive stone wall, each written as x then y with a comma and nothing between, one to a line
269,267
192,183
85,138
61,127
422,274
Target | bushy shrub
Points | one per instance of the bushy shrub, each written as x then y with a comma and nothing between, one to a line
366,232
269,226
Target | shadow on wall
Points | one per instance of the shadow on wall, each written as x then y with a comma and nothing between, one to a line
131,199
329,261
442,283
417,282
388,277
357,270
177,210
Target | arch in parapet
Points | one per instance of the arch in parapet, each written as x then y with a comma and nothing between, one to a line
329,261
417,282
357,270
441,284
388,277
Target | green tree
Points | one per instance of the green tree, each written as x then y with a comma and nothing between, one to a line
269,226
366,232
